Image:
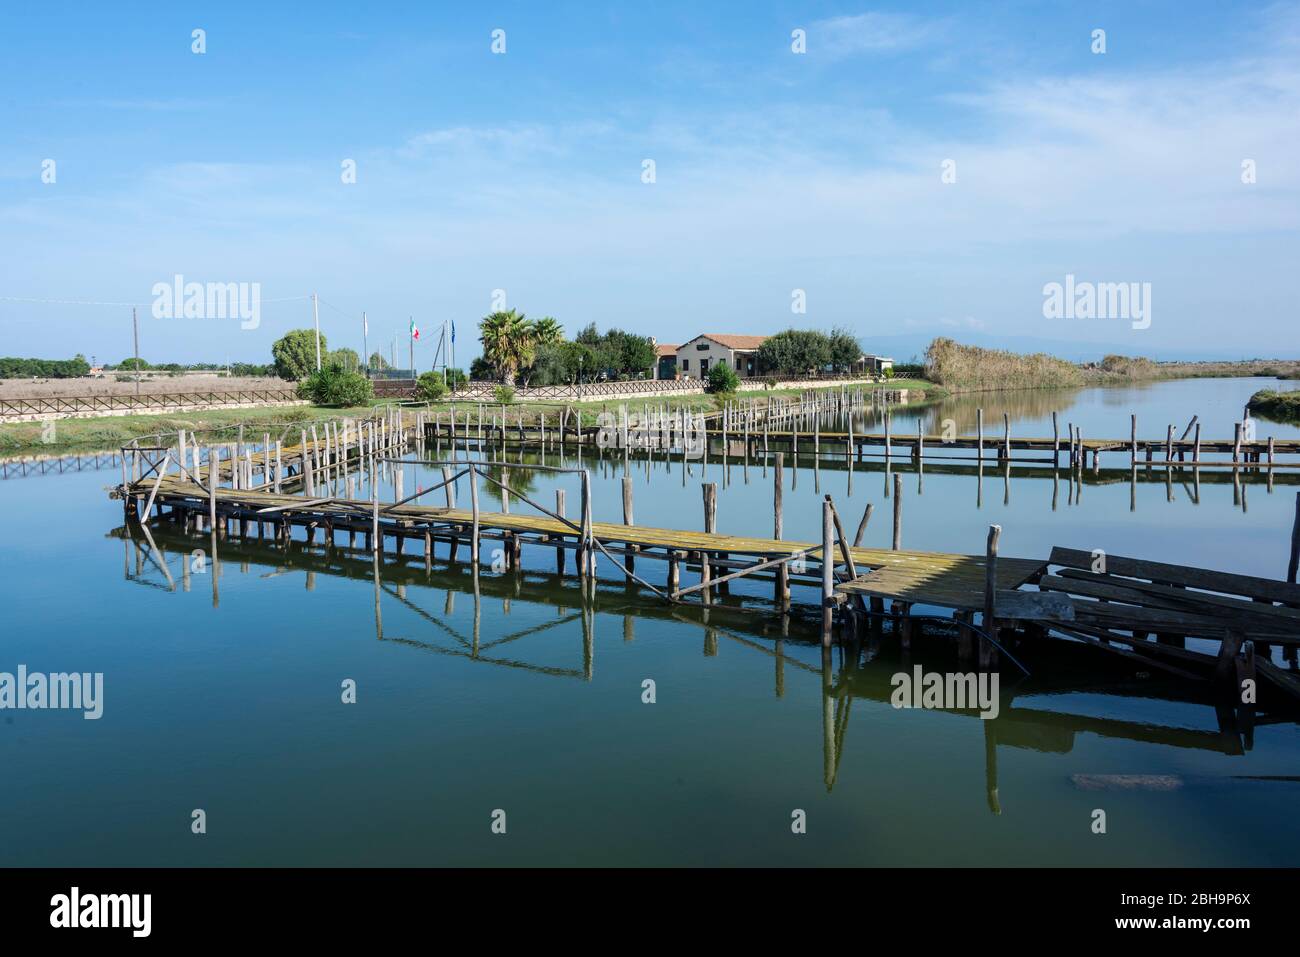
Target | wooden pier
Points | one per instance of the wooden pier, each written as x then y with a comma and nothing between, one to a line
1131,608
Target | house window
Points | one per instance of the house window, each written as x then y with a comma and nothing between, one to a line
686,365
702,347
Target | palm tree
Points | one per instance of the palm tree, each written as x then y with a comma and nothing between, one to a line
509,342
548,332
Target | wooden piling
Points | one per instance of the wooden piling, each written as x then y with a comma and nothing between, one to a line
629,559
473,500
1294,563
862,525
898,511
559,550
987,651
778,519
710,490
828,573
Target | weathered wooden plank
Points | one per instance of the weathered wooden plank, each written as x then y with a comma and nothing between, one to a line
1227,582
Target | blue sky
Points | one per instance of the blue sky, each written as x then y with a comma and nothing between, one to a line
775,171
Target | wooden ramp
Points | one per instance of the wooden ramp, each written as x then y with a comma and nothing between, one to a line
946,581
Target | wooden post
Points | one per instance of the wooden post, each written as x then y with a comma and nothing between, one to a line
898,511
376,545
1169,444
1006,432
1133,437
862,526
847,555
473,504
1196,447
214,460
1294,563
588,551
1056,442
979,434
828,572
629,560
778,518
710,490
987,651
559,549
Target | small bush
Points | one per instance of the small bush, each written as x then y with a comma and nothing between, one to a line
334,387
431,387
722,378
504,394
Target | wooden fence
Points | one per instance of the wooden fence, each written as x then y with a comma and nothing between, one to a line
92,405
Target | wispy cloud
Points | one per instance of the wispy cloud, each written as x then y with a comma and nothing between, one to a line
871,33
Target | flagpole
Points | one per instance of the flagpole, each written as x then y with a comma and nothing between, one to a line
365,342
315,317
410,339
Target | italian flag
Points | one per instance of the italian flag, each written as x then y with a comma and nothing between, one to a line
415,332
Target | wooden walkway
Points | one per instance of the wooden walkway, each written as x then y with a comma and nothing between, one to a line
429,523
845,444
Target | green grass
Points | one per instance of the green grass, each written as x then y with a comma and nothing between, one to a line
71,435
1278,406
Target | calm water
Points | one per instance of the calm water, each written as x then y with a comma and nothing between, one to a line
523,694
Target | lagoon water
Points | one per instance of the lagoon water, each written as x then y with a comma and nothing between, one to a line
523,694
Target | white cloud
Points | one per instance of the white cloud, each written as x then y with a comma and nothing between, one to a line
871,33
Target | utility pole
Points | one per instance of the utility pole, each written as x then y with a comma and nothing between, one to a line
365,342
135,328
315,316
393,354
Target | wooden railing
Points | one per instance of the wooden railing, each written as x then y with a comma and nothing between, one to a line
145,402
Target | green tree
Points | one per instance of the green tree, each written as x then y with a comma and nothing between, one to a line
845,350
295,354
377,362
723,379
509,343
334,387
346,359
547,331
636,354
561,363
795,352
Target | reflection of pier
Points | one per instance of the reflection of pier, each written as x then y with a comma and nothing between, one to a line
1029,716
867,669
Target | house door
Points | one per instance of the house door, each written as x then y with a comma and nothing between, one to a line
704,368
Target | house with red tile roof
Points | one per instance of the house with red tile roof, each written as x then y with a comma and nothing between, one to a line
697,357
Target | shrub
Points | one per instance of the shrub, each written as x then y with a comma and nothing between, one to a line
431,387
504,394
335,387
722,379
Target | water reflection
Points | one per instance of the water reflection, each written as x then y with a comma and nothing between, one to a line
1046,710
